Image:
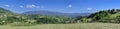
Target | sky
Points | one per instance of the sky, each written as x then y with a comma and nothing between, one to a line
66,6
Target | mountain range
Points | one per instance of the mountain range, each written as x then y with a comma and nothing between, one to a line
51,13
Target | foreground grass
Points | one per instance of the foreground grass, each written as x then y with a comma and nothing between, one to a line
67,26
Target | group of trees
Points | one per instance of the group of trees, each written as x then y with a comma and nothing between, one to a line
35,19
8,17
105,16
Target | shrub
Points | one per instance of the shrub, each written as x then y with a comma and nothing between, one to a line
84,20
21,24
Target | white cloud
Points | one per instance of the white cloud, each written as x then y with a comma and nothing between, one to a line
89,8
70,6
21,6
31,6
7,5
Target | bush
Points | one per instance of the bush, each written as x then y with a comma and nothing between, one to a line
84,20
21,24
3,23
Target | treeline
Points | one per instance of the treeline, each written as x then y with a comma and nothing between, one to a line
105,16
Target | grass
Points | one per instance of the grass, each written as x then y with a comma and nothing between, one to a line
67,26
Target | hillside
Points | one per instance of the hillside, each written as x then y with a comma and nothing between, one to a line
105,16
4,11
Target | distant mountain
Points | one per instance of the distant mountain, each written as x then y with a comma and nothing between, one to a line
41,12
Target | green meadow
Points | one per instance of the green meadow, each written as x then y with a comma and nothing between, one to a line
66,26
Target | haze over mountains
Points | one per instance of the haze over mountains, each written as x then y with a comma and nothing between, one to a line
45,12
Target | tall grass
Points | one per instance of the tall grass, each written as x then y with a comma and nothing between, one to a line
67,26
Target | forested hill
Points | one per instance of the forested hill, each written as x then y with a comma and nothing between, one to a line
106,16
2,10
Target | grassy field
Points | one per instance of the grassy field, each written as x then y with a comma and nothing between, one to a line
67,26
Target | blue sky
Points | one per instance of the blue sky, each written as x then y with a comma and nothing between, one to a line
67,6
